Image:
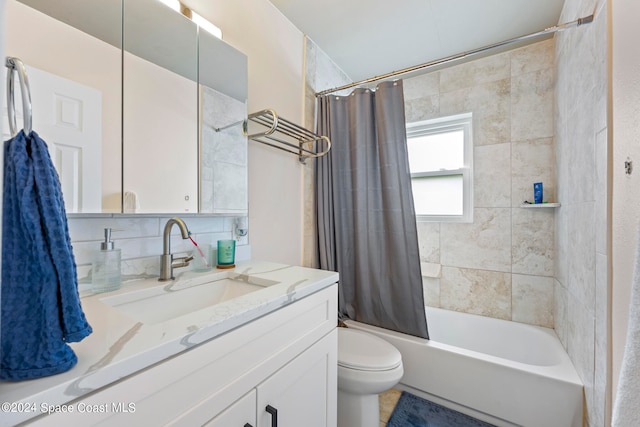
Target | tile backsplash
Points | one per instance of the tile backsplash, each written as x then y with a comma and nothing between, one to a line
140,239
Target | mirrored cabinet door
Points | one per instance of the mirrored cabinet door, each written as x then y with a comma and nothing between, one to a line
223,154
128,94
72,52
160,110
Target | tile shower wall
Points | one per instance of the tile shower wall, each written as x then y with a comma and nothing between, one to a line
582,255
501,265
140,239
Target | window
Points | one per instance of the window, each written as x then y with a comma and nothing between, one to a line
440,160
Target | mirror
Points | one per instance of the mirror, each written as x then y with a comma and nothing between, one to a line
160,109
223,153
159,151
74,69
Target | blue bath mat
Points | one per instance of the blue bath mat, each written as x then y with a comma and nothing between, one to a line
413,411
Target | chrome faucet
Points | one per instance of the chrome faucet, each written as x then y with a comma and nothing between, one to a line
166,260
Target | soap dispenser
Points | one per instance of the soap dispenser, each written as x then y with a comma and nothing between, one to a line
106,266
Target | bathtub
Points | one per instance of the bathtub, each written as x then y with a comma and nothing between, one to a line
505,373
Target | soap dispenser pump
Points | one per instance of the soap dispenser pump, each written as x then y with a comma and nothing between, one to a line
106,266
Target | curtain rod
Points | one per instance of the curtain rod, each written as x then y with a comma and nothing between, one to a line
550,30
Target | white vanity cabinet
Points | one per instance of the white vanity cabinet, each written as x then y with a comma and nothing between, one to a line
303,390
301,393
286,360
242,413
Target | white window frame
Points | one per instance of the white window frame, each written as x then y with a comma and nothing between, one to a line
462,122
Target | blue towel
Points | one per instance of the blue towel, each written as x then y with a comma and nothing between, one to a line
41,309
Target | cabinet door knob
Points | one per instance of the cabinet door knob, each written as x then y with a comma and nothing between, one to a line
274,415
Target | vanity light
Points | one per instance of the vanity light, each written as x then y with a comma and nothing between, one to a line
206,25
194,16
173,4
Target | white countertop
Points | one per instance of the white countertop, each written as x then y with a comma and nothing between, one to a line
120,345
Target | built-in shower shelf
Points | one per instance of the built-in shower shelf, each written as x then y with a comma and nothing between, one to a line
540,205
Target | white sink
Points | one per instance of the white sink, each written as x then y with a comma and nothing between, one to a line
165,302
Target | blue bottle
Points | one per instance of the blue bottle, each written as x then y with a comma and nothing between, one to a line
537,192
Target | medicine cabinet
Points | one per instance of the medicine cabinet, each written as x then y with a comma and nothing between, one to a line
156,85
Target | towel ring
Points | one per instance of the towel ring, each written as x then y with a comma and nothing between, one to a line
15,64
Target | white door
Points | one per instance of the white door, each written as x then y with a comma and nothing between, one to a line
67,116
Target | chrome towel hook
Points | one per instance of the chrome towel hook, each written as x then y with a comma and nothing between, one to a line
15,64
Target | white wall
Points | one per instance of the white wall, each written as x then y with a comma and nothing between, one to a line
626,143
275,50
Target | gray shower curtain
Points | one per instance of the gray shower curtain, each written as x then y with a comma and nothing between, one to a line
366,222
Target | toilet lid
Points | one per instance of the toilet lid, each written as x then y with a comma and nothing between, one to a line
366,352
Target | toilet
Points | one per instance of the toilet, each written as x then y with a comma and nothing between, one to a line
367,366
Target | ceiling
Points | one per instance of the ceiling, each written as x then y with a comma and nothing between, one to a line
367,38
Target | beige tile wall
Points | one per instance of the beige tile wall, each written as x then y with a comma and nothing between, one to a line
501,265
581,261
